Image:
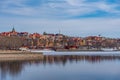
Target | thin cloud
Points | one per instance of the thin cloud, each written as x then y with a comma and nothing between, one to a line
65,15
58,9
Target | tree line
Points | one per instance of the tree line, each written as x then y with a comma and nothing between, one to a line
10,43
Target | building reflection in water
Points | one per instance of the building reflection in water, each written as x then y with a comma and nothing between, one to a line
14,68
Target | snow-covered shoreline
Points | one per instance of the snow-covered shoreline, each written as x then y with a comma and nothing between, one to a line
116,53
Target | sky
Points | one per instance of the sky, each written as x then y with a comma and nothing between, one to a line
70,17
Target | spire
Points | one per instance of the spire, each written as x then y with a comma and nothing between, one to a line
13,29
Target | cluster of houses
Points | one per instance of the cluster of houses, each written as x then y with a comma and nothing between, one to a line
14,33
60,41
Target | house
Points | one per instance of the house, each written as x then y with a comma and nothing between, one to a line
23,34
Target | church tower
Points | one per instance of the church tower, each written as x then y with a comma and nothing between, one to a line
13,30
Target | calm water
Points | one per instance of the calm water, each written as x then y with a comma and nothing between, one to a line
63,67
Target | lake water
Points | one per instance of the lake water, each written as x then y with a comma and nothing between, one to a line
63,67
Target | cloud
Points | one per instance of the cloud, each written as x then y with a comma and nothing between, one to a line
72,17
75,2
52,9
11,3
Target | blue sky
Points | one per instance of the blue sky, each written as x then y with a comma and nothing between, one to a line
71,17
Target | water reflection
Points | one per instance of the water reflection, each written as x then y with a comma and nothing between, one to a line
14,68
64,59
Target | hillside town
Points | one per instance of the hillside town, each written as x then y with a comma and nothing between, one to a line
14,40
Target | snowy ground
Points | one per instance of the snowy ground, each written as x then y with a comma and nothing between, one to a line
111,53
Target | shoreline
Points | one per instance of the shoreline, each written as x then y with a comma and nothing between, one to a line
75,50
14,55
8,55
66,50
81,50
12,51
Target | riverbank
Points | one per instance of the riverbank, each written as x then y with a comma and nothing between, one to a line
12,51
85,50
9,55
75,50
